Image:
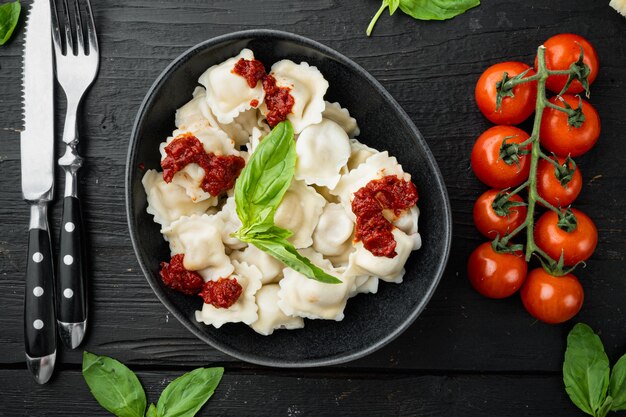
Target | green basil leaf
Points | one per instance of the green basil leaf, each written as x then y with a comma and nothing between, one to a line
264,180
605,407
617,386
186,395
393,6
436,9
263,231
114,386
585,369
152,411
9,16
285,252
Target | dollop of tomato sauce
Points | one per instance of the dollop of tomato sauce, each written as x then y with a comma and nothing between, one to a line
252,70
176,277
220,171
278,100
372,228
222,293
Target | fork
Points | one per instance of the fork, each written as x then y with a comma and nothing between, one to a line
76,68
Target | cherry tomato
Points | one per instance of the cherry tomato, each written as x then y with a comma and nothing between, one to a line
513,110
576,246
552,299
561,52
487,164
493,274
562,139
550,188
490,223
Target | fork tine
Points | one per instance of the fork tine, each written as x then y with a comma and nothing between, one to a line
56,34
79,29
69,48
91,29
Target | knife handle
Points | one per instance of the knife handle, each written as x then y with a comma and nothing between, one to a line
71,275
39,322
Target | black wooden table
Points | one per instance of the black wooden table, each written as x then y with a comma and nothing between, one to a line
465,355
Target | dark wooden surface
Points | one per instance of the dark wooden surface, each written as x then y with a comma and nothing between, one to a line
465,355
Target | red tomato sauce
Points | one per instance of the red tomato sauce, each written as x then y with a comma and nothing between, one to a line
220,172
278,100
250,69
176,277
372,228
222,293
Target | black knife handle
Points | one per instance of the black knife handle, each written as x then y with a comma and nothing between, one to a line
39,322
71,272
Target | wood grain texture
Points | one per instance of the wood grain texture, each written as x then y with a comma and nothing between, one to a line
430,68
262,394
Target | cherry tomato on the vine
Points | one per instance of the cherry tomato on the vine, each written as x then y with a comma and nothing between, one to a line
552,299
490,223
493,274
559,137
513,110
561,52
550,188
488,164
576,245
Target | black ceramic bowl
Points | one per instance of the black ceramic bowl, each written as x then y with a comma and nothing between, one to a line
371,320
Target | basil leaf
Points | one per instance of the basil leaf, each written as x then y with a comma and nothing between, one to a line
152,411
585,369
114,386
264,180
393,6
185,395
617,386
285,252
9,16
436,9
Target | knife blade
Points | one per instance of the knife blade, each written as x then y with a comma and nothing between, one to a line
37,168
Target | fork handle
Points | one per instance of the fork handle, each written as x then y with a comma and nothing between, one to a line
39,325
71,271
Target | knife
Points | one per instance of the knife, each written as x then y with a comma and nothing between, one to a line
37,153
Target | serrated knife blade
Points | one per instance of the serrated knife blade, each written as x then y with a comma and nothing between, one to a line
37,138
37,153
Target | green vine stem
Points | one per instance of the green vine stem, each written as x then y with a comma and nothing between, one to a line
535,154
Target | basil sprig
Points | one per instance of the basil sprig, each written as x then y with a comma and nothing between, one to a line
424,9
9,16
589,382
258,192
118,390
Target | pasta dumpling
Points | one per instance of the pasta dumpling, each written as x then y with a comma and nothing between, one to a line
190,177
304,297
230,224
199,239
323,150
244,310
271,268
359,154
227,93
333,234
363,262
307,87
169,202
341,116
375,167
299,212
271,317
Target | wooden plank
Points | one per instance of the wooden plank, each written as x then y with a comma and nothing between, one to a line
430,68
267,394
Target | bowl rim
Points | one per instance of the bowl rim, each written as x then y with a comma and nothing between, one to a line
447,215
